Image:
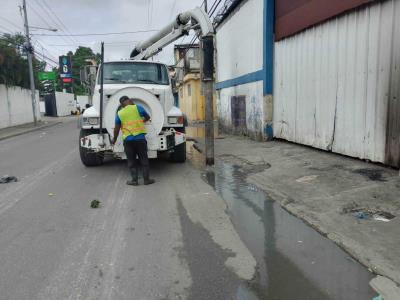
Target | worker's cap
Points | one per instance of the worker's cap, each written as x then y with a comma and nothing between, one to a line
123,99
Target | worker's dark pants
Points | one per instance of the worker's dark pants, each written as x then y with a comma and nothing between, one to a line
137,148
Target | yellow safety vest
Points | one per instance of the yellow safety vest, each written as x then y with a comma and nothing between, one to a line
131,121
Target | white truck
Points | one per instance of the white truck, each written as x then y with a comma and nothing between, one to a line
148,83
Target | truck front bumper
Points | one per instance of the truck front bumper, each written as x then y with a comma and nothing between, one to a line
165,141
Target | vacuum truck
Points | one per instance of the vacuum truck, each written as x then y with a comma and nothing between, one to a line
148,83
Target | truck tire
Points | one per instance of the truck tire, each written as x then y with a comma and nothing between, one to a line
89,159
179,154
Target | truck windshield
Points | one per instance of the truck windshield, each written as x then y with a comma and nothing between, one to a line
135,73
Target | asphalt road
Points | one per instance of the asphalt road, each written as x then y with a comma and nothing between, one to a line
171,240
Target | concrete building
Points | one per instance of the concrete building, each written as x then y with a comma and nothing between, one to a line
244,43
323,73
188,82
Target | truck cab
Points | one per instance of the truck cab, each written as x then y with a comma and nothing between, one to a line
148,83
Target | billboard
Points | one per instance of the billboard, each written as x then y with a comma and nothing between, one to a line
43,76
65,66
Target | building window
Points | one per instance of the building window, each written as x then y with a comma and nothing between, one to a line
189,90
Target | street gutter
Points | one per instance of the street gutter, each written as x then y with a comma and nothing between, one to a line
27,130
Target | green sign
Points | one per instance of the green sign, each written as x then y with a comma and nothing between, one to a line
47,76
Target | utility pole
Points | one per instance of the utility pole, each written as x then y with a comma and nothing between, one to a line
207,43
29,51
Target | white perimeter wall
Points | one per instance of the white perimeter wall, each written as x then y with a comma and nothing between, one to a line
239,41
239,44
16,106
332,82
65,104
82,100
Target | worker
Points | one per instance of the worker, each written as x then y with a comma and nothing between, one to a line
130,120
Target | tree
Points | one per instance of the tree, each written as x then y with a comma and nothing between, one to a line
14,68
79,59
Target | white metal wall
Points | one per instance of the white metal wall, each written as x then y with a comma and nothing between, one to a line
239,41
82,100
16,106
65,104
332,82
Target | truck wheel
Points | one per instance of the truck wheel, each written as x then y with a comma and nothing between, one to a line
89,159
179,154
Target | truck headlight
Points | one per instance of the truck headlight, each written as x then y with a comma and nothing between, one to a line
93,121
90,121
175,120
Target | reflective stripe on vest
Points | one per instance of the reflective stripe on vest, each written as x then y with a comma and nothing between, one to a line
131,121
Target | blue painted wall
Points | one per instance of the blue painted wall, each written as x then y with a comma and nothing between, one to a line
266,74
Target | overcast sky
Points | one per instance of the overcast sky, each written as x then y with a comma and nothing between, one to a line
93,16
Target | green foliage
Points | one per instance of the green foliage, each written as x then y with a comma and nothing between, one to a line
79,59
14,68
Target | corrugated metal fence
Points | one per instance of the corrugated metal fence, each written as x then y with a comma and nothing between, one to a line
337,85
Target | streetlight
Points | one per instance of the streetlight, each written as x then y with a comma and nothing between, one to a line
49,29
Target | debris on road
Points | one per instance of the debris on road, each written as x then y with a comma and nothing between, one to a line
306,179
51,194
8,178
365,213
361,215
95,203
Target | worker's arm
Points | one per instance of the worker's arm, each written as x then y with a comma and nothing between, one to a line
117,128
143,113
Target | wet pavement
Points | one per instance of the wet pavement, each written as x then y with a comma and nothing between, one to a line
294,261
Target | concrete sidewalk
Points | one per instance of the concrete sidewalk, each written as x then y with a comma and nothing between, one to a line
45,122
338,196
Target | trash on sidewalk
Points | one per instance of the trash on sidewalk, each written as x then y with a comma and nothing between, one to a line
51,194
306,179
383,216
365,213
361,215
95,203
8,179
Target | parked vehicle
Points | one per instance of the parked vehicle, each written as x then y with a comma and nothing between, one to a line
148,83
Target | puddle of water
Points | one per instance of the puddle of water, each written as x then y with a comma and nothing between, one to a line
294,261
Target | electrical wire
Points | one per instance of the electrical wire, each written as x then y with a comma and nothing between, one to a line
50,15
6,29
10,22
45,21
108,33
63,27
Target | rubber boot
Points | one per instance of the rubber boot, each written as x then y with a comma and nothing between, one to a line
134,180
146,176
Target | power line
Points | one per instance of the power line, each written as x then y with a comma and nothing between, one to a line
57,25
215,8
45,21
108,33
6,29
39,15
63,27
10,22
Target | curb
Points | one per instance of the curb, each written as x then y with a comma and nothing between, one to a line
30,130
